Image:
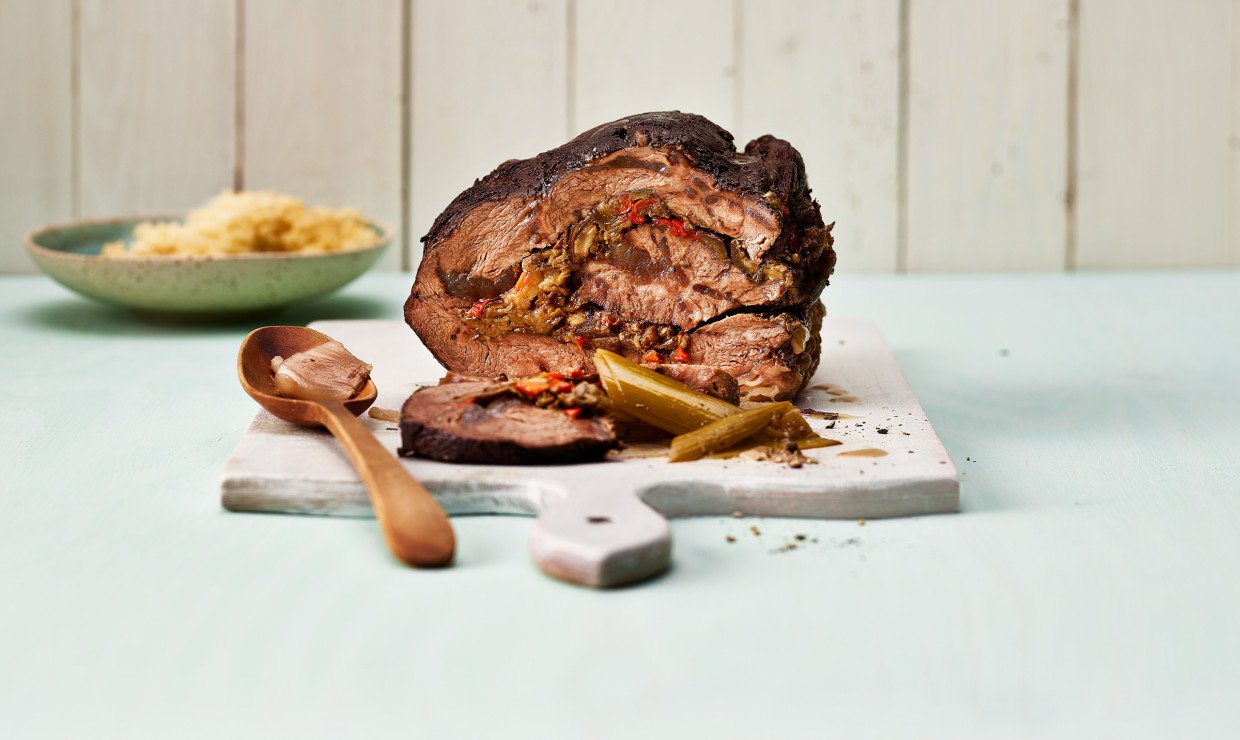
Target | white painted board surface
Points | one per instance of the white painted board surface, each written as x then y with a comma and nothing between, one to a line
278,467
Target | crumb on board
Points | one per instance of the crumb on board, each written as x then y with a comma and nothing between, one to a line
787,454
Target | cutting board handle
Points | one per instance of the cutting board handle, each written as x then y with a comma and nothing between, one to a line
601,538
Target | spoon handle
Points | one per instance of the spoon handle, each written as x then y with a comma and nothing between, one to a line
415,525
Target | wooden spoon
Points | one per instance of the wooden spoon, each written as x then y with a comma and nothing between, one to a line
415,525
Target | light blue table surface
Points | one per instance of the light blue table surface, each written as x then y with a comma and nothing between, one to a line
1090,586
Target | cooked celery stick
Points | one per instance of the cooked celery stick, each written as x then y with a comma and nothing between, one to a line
657,399
724,433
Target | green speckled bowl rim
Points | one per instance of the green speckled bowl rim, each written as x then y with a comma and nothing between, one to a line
28,241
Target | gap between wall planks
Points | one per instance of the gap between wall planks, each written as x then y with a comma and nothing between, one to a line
1157,158
36,183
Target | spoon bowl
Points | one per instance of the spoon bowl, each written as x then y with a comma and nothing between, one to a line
254,371
415,526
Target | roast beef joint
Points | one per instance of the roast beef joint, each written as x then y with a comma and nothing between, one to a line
651,237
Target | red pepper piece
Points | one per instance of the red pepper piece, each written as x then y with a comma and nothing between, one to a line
578,374
476,310
635,211
553,376
581,341
680,355
562,386
573,412
651,358
676,226
531,387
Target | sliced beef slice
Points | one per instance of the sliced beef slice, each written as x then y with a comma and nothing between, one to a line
475,421
770,357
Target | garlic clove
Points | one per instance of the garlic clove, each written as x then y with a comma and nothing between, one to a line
328,372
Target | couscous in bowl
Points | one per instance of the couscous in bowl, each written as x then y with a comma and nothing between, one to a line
202,284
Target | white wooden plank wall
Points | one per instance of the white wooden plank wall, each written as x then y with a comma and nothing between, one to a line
941,135
1155,129
36,119
825,76
616,42
987,134
489,84
156,129
322,116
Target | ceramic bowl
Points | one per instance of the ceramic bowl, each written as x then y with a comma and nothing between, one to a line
231,284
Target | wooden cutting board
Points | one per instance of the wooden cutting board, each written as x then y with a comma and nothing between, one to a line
603,523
